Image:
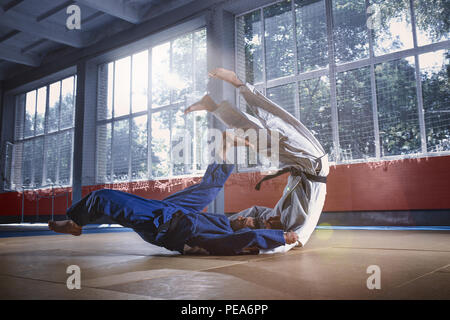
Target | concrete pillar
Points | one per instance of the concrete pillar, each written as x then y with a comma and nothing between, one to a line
7,129
220,47
84,134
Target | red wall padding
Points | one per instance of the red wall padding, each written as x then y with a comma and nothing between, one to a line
389,185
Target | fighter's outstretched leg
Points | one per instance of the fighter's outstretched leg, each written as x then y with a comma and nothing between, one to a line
205,104
226,75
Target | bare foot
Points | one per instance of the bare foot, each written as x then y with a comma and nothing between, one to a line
65,226
205,104
226,75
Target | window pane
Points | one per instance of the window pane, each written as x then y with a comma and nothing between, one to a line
200,70
315,110
432,22
16,165
434,68
161,143
110,94
67,103
139,151
122,87
249,35
65,157
19,117
103,156
397,107
312,45
350,31
279,40
8,153
40,110
52,145
30,109
53,106
160,75
140,81
121,150
393,31
38,161
182,72
354,102
284,96
105,91
28,157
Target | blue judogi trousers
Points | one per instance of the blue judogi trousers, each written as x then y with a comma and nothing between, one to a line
152,219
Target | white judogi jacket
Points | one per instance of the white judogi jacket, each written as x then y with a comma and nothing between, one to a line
302,201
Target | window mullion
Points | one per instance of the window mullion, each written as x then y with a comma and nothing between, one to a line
376,127
170,117
130,121
34,140
44,169
297,93
332,79
420,110
192,117
263,42
149,115
112,122
72,130
112,155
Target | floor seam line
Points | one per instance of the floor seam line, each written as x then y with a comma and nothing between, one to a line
399,249
426,274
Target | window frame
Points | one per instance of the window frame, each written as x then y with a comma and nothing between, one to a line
333,69
146,45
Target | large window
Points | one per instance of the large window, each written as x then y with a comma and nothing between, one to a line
142,132
43,146
369,78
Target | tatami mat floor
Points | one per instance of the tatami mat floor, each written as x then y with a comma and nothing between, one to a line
119,265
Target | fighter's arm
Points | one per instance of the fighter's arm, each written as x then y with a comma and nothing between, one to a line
242,241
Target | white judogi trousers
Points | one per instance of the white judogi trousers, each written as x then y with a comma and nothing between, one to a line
302,201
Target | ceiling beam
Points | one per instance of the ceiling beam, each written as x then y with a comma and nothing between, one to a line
54,10
165,7
33,45
11,4
9,35
15,55
43,29
116,8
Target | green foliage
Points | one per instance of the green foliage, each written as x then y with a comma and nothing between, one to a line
396,90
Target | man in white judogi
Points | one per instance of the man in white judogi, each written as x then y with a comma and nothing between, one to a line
300,153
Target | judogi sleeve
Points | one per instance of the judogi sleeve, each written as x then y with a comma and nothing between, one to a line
234,243
235,118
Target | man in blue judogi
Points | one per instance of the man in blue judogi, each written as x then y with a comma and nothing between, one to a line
177,222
